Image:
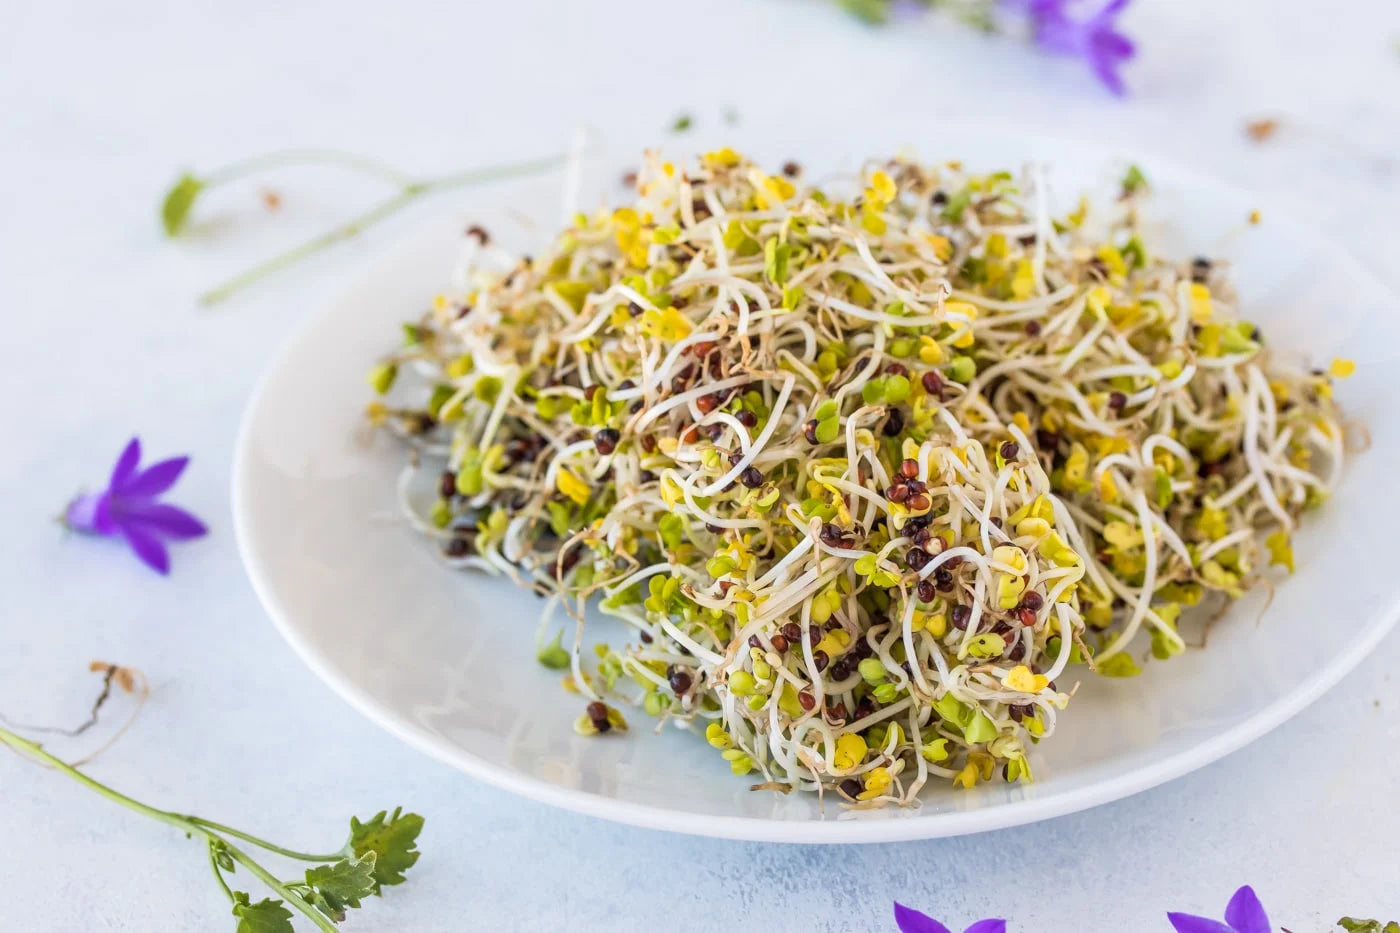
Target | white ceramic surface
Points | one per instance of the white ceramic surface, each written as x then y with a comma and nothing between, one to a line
444,660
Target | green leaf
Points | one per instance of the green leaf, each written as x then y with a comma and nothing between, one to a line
392,838
341,885
1353,925
681,123
1119,665
266,916
873,12
1133,180
553,654
175,209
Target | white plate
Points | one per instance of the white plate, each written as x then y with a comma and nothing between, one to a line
445,660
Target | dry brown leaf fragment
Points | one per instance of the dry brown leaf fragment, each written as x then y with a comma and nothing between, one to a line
1261,130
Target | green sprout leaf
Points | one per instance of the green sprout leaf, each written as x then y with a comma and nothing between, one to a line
392,839
341,885
553,654
266,916
681,123
1134,180
175,209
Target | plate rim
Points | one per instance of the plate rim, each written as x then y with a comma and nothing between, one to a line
755,829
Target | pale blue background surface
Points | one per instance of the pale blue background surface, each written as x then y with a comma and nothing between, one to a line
102,105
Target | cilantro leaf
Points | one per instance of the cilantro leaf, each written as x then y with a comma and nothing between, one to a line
175,209
341,885
392,839
266,916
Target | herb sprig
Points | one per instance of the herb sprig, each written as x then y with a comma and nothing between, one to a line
180,199
376,855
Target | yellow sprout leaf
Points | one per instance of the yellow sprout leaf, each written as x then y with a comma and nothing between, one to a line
967,777
1341,368
850,751
571,486
1280,550
1020,678
877,782
1201,305
722,157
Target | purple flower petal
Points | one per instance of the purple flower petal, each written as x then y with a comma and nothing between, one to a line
1245,914
910,920
126,464
165,520
1189,923
90,514
154,480
987,926
147,547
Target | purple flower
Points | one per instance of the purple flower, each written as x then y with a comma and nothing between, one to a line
128,507
1094,39
1244,914
910,920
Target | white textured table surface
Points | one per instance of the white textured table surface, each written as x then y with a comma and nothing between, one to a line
102,104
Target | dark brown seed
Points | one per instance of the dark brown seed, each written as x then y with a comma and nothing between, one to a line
605,441
1116,400
713,529
636,406
820,659
944,576
591,391
1002,628
648,443
960,617
1032,328
919,502
850,787
864,708
836,711
809,431
754,642
909,468
706,404
1033,601
1010,450
752,477
830,534
917,557
447,485
862,650
792,631
646,638
897,369
597,710
479,233
927,591
899,492
791,169
634,309
1017,652
814,634
680,681
691,434
894,423
1027,616
808,699
747,418
841,669
780,644
940,198
629,179
933,383
457,547
1200,269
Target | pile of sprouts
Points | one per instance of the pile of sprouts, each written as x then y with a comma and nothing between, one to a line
866,473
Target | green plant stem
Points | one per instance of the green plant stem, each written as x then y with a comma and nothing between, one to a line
35,752
263,843
411,191
290,157
218,872
267,878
